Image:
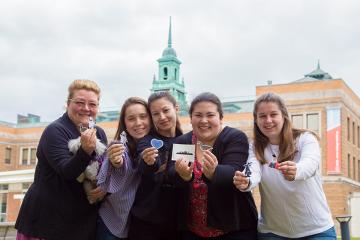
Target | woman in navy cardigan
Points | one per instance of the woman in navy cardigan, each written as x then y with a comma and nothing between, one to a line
209,204
56,206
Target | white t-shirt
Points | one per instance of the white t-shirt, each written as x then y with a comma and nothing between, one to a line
292,208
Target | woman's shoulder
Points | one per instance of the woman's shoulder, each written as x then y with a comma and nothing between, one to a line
230,132
185,138
307,136
55,126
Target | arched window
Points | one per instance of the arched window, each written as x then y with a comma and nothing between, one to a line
165,73
175,73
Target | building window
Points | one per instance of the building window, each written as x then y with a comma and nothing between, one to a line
312,122
353,132
354,168
358,171
297,121
24,159
348,128
33,156
3,202
307,120
8,155
358,136
165,73
348,166
28,156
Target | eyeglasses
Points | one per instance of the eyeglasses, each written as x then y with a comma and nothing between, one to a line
82,104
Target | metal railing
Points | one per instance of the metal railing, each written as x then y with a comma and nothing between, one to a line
7,230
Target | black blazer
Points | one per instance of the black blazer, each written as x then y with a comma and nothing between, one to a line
55,206
228,208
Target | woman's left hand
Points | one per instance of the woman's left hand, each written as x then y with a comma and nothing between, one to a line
288,169
209,165
96,194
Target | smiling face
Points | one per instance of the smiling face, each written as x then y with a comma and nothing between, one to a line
163,113
137,121
206,122
270,121
82,105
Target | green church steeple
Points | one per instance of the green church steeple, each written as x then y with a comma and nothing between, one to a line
169,76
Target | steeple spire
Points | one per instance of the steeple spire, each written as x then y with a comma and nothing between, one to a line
169,75
169,38
318,66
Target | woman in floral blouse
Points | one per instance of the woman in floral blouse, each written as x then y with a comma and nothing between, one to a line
209,204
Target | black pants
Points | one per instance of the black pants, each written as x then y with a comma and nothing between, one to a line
141,230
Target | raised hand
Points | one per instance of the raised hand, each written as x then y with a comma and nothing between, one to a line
88,140
184,169
115,154
241,182
288,169
210,163
149,155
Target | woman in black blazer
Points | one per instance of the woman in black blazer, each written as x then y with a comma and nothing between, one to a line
209,204
56,205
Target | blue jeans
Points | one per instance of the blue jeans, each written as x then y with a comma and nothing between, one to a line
329,234
102,232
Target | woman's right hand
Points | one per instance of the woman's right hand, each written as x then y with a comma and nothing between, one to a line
115,154
241,182
183,168
88,140
149,155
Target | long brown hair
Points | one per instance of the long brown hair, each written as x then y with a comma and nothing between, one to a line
131,143
164,94
288,134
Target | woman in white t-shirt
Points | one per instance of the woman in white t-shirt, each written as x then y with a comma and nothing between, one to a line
285,161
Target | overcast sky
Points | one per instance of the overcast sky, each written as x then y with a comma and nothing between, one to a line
226,47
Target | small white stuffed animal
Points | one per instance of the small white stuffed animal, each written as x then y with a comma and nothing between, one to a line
88,177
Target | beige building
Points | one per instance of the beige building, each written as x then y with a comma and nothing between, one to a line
318,102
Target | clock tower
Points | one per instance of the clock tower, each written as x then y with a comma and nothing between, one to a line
169,76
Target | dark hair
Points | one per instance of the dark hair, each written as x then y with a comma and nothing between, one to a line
207,97
122,127
288,134
164,94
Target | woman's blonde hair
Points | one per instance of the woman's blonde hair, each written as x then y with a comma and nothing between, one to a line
288,134
85,84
